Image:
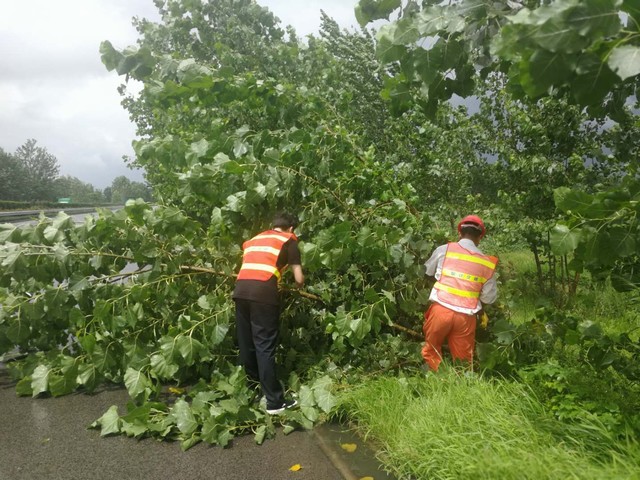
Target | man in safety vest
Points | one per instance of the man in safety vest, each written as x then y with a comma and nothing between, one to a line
264,259
465,281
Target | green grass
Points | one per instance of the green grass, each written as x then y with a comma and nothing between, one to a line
598,302
521,261
615,311
450,426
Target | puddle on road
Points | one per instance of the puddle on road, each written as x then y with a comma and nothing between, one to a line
361,462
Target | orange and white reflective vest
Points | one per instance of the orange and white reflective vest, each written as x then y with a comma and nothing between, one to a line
260,257
463,275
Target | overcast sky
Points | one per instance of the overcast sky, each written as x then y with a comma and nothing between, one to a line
54,88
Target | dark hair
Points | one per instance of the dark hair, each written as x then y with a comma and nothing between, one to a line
471,231
285,220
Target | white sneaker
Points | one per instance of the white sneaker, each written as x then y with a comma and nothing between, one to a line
285,406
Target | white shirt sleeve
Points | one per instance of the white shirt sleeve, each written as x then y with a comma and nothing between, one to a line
489,292
434,264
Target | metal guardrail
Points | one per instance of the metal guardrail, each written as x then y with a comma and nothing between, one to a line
19,215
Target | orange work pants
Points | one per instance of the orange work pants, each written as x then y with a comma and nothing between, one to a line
458,329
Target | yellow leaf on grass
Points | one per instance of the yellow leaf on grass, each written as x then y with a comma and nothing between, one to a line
349,447
296,467
367,478
177,391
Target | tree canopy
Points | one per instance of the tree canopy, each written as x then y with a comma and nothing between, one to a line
588,49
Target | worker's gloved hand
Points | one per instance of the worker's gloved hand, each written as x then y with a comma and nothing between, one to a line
483,318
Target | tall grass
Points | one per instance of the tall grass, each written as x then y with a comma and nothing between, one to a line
450,426
595,301
615,311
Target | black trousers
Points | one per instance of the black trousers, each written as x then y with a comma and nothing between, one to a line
257,330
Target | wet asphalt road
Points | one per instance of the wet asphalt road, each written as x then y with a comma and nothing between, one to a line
47,438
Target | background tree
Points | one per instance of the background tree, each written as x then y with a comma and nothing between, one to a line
77,190
123,189
585,53
12,178
41,169
107,192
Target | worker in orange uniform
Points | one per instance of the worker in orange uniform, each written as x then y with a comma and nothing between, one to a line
465,280
264,259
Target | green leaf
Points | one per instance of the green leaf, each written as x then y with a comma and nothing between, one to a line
632,7
11,259
189,348
185,420
563,240
52,234
504,332
239,148
369,10
80,284
224,437
210,430
203,302
40,380
386,49
168,346
18,331
87,342
433,20
360,327
23,387
135,429
556,36
202,400
137,383
236,202
322,392
88,376
307,402
219,333
62,221
261,432
187,443
545,69
230,405
569,200
109,423
623,242
6,231
595,19
602,247
593,80
235,168
111,58
163,368
199,149
64,384
625,61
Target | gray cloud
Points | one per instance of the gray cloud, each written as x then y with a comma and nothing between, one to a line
54,88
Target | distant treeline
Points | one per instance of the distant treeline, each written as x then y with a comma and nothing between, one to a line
31,176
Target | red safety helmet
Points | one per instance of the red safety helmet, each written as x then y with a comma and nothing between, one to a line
472,220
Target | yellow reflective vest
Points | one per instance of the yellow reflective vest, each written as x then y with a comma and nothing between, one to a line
463,275
260,255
